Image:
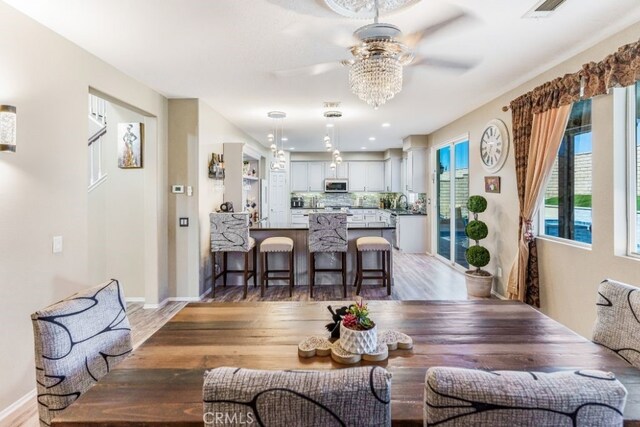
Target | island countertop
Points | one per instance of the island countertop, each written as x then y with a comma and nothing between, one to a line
287,225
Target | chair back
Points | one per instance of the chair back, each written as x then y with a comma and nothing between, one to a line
77,341
328,232
618,320
347,397
229,232
465,397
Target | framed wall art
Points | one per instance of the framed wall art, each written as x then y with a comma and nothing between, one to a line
130,142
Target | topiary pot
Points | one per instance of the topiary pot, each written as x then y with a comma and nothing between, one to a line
478,285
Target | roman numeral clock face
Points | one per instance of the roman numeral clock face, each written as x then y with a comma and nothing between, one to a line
494,145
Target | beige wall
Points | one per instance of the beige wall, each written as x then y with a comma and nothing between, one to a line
569,275
116,214
43,187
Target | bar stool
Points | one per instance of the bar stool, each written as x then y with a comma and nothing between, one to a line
378,245
327,234
230,233
275,245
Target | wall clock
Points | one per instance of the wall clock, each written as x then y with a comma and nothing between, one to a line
494,145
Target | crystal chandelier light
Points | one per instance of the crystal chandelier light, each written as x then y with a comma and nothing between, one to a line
375,75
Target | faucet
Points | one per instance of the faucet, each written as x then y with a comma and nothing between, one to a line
406,203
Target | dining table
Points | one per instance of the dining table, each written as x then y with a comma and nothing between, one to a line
160,383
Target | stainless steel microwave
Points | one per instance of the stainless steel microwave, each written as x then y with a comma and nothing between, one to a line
336,186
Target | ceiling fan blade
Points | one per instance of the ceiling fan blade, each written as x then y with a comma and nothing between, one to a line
449,64
311,70
413,39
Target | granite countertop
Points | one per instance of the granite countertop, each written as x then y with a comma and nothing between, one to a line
337,209
286,225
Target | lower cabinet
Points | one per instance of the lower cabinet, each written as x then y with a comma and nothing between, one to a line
411,233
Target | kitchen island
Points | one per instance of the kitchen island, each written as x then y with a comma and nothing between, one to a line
299,234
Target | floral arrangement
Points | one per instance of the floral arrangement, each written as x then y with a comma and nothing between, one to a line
357,317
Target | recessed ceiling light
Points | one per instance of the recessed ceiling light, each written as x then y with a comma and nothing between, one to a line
329,125
285,139
386,125
372,138
363,148
292,148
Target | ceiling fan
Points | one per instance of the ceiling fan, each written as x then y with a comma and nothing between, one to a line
379,52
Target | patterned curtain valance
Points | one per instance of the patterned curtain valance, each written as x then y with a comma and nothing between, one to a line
619,69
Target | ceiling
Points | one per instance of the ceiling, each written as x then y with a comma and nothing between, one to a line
226,52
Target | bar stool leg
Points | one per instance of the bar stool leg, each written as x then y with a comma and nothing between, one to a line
312,272
384,268
246,274
291,273
255,270
224,269
359,272
266,269
213,275
344,274
263,272
388,272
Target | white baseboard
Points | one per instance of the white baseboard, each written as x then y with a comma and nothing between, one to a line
134,299
497,295
20,405
178,299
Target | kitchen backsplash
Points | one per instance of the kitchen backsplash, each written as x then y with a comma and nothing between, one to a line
364,200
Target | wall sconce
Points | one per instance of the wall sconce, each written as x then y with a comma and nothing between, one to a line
8,128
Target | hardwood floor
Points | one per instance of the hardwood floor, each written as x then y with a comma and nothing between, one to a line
417,277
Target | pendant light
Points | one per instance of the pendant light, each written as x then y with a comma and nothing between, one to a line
276,138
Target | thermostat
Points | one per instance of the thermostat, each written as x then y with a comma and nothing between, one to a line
177,189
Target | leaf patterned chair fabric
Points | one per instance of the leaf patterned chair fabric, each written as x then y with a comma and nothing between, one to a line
341,397
77,341
328,232
469,397
618,322
230,232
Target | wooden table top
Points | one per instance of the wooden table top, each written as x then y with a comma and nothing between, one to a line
161,382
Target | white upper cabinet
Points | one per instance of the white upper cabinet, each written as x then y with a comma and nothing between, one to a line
375,176
366,176
392,175
315,176
357,176
299,180
341,171
416,170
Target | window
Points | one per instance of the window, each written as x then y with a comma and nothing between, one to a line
566,211
633,185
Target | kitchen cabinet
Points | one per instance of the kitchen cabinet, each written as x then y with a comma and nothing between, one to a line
298,216
315,176
411,233
366,176
307,176
415,165
341,170
298,179
392,172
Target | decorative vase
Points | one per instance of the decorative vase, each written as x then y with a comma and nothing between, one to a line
358,342
479,286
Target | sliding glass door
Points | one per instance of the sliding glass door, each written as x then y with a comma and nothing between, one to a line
452,192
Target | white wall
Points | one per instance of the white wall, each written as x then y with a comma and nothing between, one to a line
43,187
569,276
116,214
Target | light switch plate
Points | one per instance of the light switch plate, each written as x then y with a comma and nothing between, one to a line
184,222
57,244
189,190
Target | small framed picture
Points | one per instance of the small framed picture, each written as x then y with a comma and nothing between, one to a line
491,184
130,141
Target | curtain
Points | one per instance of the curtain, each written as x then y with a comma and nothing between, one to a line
547,131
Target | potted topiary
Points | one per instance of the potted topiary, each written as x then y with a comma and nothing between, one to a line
479,281
358,334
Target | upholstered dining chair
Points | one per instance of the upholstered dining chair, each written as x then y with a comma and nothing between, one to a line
348,397
77,341
618,322
230,233
471,397
328,234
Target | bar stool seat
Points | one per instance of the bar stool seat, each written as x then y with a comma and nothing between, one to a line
378,245
373,244
276,245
